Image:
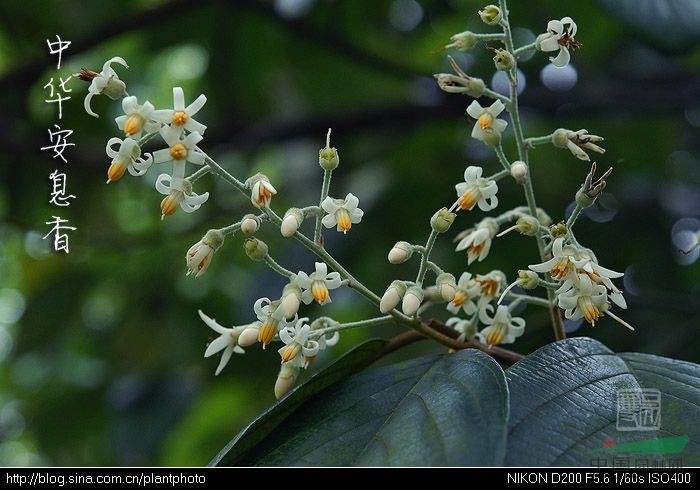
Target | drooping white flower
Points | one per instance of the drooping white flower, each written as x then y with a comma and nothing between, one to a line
227,341
559,37
178,191
127,157
477,242
476,190
491,285
317,285
584,300
502,328
272,318
106,82
466,328
467,292
180,117
137,118
296,340
261,191
487,122
342,213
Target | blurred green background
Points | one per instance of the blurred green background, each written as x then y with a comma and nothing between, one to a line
101,350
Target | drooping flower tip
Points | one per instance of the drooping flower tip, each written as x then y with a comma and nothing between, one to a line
392,296
400,253
106,82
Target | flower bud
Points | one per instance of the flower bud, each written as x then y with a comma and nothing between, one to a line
400,253
255,249
447,285
528,225
249,336
491,15
392,296
560,138
558,230
199,255
291,222
518,170
250,224
463,41
503,60
453,84
412,300
328,158
285,379
528,279
432,294
583,199
291,297
442,220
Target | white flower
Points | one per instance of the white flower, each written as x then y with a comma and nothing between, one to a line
181,117
585,263
136,118
297,342
342,213
584,300
491,285
317,285
106,82
180,149
466,328
467,291
559,37
502,328
227,341
127,157
178,191
261,191
272,319
562,262
476,190
487,122
478,241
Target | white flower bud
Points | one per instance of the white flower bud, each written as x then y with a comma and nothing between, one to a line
400,253
491,15
291,222
518,170
447,285
250,224
412,300
528,279
285,379
392,296
291,297
249,336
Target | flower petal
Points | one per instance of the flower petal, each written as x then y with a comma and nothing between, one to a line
178,99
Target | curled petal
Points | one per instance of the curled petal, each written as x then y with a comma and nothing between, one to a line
111,153
195,106
562,58
333,280
475,110
86,104
351,202
310,349
161,185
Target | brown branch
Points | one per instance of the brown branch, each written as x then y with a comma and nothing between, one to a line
401,340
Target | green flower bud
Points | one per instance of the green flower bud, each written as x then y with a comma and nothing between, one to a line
584,200
560,138
463,41
328,158
558,230
527,225
442,220
255,249
491,15
213,238
503,60
528,279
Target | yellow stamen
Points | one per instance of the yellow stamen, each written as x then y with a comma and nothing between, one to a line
343,218
320,291
467,201
291,352
115,172
168,206
309,359
485,120
178,151
496,334
180,118
133,124
264,196
460,297
590,311
475,250
489,287
561,269
268,331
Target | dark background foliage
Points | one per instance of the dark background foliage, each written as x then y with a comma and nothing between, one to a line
101,350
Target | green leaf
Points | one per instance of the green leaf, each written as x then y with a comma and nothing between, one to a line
564,403
431,411
351,362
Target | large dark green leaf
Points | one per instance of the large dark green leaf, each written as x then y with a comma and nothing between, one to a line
564,403
438,410
351,362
